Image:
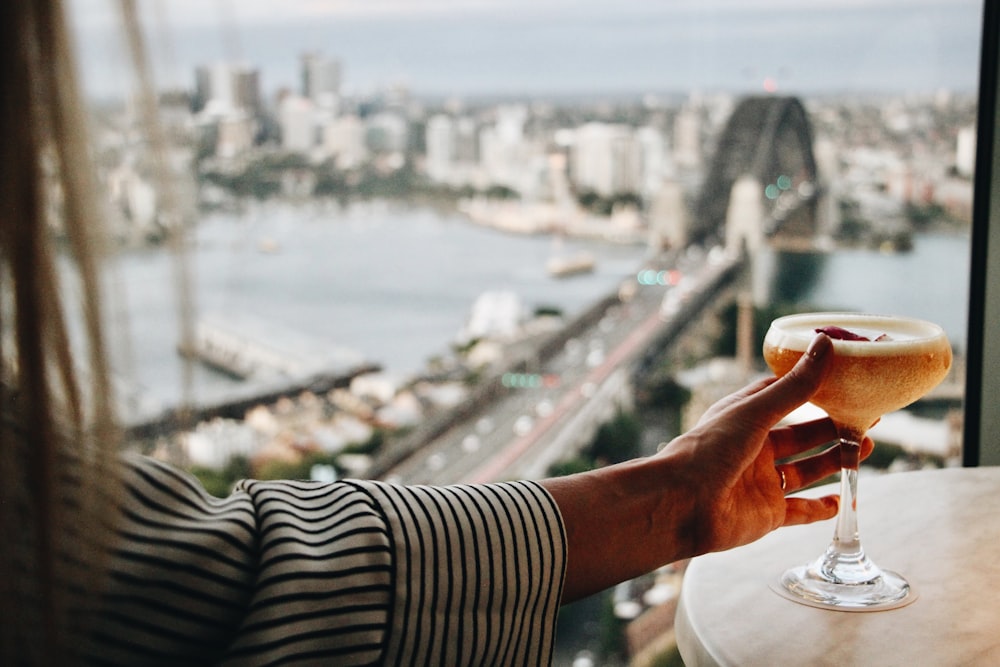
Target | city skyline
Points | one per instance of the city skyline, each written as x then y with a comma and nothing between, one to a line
561,48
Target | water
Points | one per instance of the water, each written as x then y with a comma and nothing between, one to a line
392,283
930,282
396,284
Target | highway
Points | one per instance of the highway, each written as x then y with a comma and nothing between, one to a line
552,411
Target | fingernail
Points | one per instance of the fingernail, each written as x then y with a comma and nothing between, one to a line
819,346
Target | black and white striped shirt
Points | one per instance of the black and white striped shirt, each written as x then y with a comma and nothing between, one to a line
348,573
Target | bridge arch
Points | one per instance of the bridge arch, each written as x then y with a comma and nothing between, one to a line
770,139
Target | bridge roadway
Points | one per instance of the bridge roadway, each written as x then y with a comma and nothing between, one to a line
524,430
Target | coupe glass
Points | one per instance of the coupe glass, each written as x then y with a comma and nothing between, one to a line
895,361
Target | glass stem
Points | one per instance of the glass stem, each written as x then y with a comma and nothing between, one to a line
846,534
845,560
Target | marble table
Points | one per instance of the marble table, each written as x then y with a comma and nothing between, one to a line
940,529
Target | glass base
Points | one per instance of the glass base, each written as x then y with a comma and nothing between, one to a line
806,585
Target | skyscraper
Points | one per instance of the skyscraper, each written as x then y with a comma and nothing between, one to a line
321,80
226,88
440,139
606,159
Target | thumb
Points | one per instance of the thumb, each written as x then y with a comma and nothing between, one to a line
798,385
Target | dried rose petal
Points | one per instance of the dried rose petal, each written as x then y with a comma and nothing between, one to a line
840,333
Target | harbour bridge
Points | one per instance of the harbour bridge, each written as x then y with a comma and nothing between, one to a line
765,149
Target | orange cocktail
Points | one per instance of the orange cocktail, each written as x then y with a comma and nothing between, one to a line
901,360
880,364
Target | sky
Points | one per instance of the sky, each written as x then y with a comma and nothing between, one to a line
470,47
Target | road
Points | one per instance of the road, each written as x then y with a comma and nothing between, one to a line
551,413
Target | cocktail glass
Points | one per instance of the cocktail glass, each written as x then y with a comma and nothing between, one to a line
898,361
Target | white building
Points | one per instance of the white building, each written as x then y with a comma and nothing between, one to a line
607,159
965,152
655,161
687,139
235,134
507,156
379,386
344,141
440,141
496,315
297,120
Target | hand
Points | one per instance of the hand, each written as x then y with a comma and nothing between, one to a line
713,488
732,458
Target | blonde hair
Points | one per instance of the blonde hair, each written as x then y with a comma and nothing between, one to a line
58,435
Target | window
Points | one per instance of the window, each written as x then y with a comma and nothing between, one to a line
520,117
980,444
389,184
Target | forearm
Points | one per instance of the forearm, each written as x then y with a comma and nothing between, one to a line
622,521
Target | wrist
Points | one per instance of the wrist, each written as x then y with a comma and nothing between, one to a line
623,520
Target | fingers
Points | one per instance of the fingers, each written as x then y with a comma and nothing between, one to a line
867,445
797,438
811,469
800,511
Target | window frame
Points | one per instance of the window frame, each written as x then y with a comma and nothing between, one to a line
980,443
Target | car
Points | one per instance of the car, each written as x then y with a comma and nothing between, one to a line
485,425
523,425
436,461
471,443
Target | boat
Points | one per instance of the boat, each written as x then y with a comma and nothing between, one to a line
561,266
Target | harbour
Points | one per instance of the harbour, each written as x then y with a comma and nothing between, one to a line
389,286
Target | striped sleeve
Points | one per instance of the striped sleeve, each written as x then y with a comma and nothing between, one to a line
180,574
371,573
348,573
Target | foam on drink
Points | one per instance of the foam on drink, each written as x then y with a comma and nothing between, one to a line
797,331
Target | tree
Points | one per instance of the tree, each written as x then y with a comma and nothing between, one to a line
618,440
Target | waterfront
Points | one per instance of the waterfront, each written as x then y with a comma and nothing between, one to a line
395,284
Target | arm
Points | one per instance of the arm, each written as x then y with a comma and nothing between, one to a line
711,489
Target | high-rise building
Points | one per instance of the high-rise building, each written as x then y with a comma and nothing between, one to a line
440,140
466,140
246,89
321,80
655,163
606,159
687,139
452,150
224,88
506,156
